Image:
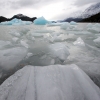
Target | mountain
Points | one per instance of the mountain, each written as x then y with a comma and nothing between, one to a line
93,18
73,19
92,10
2,19
90,13
18,16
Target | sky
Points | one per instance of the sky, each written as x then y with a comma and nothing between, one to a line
50,9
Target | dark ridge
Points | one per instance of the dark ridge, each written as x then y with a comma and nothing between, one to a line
93,19
72,19
18,16
3,19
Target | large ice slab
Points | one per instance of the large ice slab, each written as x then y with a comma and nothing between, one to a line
55,82
10,57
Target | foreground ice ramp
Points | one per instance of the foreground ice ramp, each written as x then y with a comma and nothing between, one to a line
54,82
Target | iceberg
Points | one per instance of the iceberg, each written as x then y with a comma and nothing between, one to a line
40,21
73,23
16,21
54,82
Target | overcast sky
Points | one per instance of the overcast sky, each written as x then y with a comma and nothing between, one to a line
50,9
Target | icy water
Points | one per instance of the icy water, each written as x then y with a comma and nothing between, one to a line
50,45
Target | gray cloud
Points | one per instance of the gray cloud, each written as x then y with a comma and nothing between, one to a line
84,2
18,4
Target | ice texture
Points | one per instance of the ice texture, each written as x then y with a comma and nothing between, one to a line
60,51
10,57
40,21
54,82
43,45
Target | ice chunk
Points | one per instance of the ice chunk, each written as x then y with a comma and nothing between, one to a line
4,43
65,25
79,42
29,55
9,58
23,43
15,39
62,82
60,51
40,21
17,34
73,23
89,25
97,42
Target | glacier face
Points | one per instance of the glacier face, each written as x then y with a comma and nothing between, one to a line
54,82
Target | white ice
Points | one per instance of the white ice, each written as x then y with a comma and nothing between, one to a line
54,82
10,57
79,42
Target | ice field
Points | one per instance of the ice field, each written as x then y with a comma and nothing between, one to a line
56,61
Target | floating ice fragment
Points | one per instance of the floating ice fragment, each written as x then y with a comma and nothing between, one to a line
79,42
59,50
23,43
65,25
97,42
29,55
73,23
15,39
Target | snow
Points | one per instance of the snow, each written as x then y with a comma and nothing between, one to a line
54,82
40,21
